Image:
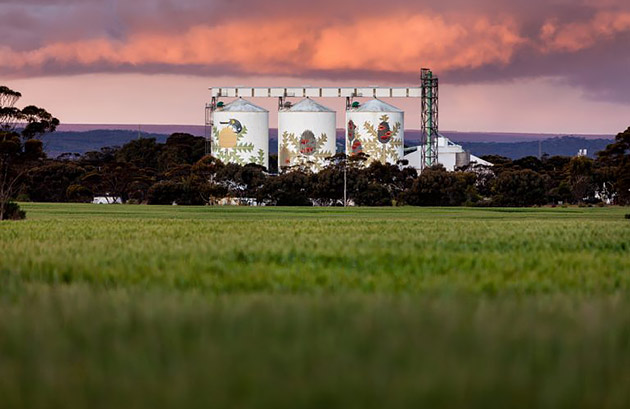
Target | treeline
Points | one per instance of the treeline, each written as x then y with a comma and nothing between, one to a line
177,171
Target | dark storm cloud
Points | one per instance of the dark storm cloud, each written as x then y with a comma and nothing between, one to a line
584,43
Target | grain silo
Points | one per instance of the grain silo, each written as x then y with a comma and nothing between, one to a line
306,135
241,133
376,129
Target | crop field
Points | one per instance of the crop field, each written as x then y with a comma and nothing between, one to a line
199,307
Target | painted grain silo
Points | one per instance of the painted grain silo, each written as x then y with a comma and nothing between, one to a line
241,133
306,135
376,129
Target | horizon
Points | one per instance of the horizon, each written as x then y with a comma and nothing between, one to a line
545,67
150,128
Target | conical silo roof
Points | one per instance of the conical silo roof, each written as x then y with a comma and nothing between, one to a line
308,105
376,105
242,105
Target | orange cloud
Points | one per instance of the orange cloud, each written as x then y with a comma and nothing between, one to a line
394,43
401,43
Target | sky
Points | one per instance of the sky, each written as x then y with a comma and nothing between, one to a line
542,66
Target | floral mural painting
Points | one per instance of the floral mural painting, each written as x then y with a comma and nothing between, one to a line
308,143
380,143
305,150
228,145
384,132
352,130
356,147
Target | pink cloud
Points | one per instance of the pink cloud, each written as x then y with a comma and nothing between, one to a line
572,37
394,43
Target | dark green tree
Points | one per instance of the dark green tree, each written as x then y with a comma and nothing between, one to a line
579,174
519,188
19,148
143,153
181,148
205,175
288,189
614,164
50,181
437,187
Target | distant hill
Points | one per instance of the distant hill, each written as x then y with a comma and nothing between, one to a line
80,142
564,146
81,139
412,136
197,130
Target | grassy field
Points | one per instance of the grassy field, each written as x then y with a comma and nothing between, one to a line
130,306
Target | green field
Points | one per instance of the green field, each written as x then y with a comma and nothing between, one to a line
179,307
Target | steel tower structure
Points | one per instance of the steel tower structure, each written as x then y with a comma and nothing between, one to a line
429,145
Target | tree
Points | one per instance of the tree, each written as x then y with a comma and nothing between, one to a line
557,185
165,192
327,185
181,148
116,179
614,161
374,194
19,149
205,175
181,185
50,182
580,178
143,152
528,162
519,188
37,122
78,194
437,187
288,189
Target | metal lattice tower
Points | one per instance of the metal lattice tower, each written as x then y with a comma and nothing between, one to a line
429,126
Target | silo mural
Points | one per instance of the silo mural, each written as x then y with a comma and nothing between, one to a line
375,129
306,135
241,133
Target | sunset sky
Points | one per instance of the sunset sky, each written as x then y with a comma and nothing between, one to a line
558,66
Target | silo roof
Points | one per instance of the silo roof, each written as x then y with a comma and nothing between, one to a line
308,105
376,105
242,105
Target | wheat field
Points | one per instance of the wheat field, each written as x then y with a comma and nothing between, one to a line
136,306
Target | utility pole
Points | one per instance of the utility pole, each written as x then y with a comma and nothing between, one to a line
345,181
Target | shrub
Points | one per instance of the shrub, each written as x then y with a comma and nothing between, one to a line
12,211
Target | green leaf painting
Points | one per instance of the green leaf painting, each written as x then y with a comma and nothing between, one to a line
384,148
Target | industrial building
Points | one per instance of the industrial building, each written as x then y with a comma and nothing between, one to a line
377,130
307,129
450,155
306,135
240,133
